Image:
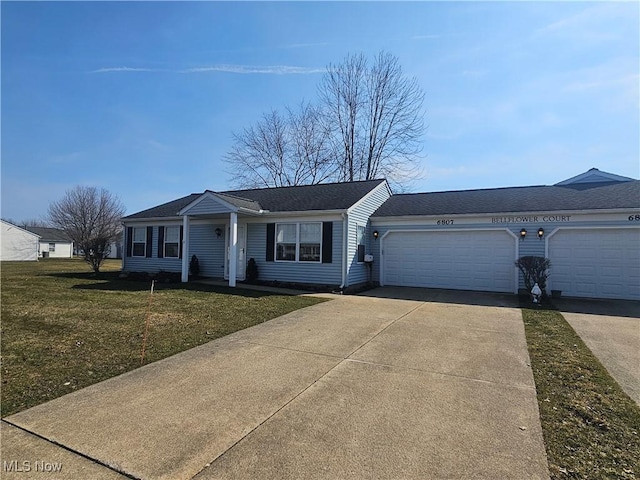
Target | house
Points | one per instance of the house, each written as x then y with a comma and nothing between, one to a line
349,234
304,234
54,243
115,250
17,243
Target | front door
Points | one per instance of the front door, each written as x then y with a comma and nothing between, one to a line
241,249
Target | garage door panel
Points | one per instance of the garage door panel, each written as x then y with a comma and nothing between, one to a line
598,263
460,260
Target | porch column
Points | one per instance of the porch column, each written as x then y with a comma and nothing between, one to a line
185,248
233,249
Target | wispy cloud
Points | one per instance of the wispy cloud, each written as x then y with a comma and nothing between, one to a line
225,68
595,23
123,69
253,69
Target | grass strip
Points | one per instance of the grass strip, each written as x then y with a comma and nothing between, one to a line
64,328
591,427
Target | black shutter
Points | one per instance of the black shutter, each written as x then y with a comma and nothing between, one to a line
271,238
149,241
129,241
327,242
180,243
160,242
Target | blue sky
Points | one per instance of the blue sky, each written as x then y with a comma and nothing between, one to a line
143,98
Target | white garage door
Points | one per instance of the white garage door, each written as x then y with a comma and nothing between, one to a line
596,263
469,260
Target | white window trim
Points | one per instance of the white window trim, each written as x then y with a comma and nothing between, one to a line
165,242
133,242
52,244
297,259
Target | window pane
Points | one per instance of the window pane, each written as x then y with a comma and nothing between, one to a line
286,251
286,233
309,252
172,234
310,232
52,247
171,250
138,250
360,234
140,234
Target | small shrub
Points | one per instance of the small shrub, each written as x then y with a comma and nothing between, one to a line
252,270
194,266
534,270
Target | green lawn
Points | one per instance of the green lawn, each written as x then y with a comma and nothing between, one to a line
64,328
590,425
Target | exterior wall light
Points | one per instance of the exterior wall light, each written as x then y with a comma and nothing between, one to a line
218,232
375,234
523,233
540,233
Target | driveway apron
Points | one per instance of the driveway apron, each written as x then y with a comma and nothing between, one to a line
388,385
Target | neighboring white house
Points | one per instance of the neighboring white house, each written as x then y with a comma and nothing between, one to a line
18,243
116,248
54,243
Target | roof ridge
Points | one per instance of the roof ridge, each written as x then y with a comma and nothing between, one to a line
304,186
472,190
232,196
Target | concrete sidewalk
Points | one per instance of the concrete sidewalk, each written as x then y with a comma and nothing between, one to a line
611,330
358,387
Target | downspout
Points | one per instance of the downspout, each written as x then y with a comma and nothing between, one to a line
345,247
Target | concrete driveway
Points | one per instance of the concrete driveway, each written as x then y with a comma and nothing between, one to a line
388,385
611,330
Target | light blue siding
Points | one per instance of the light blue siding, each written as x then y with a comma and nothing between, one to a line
361,272
208,206
531,245
297,272
153,264
209,248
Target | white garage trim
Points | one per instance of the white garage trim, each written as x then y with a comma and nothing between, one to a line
550,250
431,230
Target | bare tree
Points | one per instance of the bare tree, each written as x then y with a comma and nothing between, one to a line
91,218
368,125
377,116
282,150
312,155
35,222
342,96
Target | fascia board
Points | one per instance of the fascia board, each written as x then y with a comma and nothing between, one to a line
368,194
494,214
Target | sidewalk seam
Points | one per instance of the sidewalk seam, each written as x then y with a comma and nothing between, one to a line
71,450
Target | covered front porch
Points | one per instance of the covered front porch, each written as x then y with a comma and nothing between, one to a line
215,222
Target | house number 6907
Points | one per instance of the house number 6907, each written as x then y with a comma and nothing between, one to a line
635,218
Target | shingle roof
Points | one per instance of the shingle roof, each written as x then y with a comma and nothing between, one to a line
169,209
239,201
591,196
326,196
49,234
